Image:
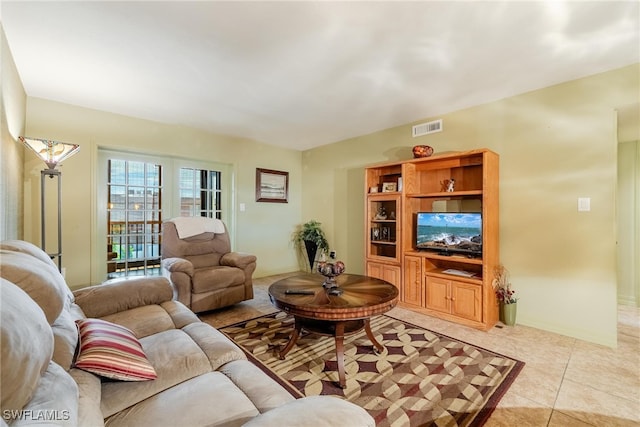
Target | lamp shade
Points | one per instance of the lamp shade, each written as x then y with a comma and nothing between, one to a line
51,152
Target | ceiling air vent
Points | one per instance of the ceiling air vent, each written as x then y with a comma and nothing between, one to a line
427,128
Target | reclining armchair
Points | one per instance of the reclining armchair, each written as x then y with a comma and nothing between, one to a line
197,259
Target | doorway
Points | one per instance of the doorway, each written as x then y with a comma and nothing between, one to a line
628,205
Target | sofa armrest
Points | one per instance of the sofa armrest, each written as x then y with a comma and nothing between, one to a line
178,265
237,259
314,411
119,295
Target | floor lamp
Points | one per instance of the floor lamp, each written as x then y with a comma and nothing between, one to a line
52,153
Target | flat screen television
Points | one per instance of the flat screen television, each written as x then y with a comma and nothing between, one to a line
449,233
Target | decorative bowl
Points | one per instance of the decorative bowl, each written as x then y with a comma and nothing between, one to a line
422,151
330,271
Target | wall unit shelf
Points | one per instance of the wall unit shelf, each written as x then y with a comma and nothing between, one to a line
383,232
422,277
449,258
440,272
445,194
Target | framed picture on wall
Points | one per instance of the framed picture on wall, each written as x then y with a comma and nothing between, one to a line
272,186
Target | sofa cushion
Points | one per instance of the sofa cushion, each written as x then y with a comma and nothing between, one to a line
143,321
65,335
176,358
42,282
212,278
214,344
26,346
29,249
206,400
265,393
315,411
112,351
179,313
54,403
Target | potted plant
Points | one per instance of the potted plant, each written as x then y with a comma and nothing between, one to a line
506,295
311,236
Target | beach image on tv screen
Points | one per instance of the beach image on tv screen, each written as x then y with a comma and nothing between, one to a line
462,231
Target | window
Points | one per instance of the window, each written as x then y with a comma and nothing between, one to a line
134,218
136,193
200,193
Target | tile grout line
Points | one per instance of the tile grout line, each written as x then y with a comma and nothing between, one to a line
564,371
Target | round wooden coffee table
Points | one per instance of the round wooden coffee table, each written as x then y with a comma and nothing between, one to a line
338,314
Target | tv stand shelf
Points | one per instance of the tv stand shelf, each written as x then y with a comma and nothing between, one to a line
446,194
422,187
439,272
451,258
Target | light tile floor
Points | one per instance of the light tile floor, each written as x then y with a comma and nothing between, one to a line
566,382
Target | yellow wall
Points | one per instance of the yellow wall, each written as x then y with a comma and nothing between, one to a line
12,118
264,229
556,144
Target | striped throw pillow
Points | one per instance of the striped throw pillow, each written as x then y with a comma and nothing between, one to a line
112,351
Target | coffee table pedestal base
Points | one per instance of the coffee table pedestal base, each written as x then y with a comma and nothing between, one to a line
336,329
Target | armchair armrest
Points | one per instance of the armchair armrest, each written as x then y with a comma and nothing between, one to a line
237,259
178,265
118,295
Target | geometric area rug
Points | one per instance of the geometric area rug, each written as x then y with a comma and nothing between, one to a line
421,378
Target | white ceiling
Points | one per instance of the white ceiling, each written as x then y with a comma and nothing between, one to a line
303,74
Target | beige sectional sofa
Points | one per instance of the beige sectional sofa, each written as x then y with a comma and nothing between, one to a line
203,378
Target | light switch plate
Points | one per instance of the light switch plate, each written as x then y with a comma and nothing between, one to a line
584,204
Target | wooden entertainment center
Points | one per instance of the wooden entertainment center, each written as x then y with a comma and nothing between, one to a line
395,193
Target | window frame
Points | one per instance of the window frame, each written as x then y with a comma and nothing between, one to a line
170,204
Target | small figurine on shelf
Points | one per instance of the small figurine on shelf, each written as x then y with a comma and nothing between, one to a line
382,213
386,234
451,186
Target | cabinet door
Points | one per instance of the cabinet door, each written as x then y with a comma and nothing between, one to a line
374,269
390,273
438,294
413,285
466,300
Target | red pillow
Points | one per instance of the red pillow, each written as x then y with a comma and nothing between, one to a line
112,351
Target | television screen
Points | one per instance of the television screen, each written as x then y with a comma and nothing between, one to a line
449,232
